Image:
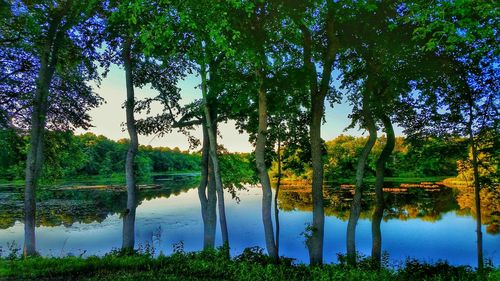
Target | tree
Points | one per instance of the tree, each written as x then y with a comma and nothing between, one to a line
368,122
121,33
316,19
143,66
463,36
266,97
377,66
204,28
47,66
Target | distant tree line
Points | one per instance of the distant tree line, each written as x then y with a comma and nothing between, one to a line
428,158
69,155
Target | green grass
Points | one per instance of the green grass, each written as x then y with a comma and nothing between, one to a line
213,265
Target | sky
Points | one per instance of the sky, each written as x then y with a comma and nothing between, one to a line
108,119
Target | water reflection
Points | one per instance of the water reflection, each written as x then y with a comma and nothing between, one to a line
67,205
417,222
427,202
84,203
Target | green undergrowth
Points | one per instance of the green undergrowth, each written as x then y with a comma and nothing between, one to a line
252,264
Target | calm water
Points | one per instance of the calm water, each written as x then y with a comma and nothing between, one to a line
427,225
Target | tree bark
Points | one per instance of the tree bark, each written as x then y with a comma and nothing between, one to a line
262,169
213,155
315,242
34,159
379,195
212,206
276,196
203,186
360,172
206,193
128,241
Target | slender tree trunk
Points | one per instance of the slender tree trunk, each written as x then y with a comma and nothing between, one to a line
34,164
207,195
276,196
130,166
477,196
262,169
203,186
212,206
379,195
34,159
315,242
477,189
318,91
360,172
213,155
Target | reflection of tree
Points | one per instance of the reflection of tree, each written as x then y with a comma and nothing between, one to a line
422,204
66,207
415,203
490,205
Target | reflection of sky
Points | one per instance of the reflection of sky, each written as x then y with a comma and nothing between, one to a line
178,218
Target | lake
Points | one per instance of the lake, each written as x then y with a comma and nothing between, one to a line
429,222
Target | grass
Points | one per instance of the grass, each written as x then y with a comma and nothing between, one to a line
252,264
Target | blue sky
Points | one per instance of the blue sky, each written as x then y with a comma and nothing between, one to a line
108,118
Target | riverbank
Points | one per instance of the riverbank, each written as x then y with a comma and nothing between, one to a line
369,180
119,178
115,178
212,265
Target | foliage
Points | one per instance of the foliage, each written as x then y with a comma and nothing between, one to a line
213,265
430,157
25,32
69,155
441,270
237,170
488,157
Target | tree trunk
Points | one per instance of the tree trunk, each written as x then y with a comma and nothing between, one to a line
34,159
477,189
477,196
276,196
130,166
317,95
203,186
360,172
34,162
212,206
379,195
207,196
262,169
315,241
213,156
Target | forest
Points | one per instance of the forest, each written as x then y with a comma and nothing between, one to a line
272,68
87,155
70,156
